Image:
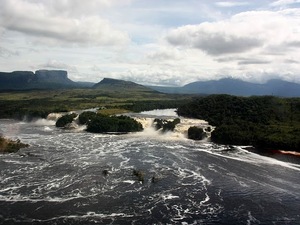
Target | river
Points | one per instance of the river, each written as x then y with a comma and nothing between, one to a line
75,177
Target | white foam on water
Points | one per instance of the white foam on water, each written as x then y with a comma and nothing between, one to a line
249,157
48,128
252,219
169,197
44,122
207,198
93,215
18,162
161,112
129,181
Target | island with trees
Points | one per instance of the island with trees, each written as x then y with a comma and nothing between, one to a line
99,123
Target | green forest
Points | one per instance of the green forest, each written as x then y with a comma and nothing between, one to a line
265,122
39,103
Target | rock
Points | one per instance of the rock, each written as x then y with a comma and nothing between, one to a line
139,174
105,172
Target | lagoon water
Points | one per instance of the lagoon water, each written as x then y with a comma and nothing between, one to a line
59,179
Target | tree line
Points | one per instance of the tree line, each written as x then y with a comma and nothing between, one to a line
264,122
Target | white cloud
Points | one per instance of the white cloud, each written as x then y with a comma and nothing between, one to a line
84,38
35,18
231,4
54,64
164,54
284,2
5,53
244,32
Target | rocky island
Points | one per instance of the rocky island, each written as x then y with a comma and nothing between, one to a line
10,146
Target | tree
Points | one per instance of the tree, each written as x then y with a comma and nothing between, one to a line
196,133
64,120
86,116
105,124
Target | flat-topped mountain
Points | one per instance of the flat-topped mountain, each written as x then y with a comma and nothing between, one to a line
41,79
115,84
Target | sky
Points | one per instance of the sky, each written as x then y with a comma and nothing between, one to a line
157,42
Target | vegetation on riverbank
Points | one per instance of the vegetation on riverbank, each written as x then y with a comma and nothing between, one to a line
196,133
10,146
64,120
265,122
39,103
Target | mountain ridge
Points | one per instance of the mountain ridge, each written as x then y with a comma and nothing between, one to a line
236,87
58,79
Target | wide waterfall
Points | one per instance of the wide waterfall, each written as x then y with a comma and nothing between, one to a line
147,120
149,177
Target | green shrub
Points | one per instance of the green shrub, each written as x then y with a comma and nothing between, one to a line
196,133
104,124
64,120
85,117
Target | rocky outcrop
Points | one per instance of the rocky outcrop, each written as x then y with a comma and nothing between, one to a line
10,146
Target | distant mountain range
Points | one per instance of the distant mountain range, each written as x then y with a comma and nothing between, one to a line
236,87
55,79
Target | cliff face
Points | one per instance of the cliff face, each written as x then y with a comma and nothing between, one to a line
52,76
41,79
16,79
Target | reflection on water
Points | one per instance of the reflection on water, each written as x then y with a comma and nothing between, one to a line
59,179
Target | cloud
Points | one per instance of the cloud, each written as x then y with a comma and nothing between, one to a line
295,44
291,61
79,8
253,61
242,33
5,53
284,2
54,64
213,38
35,18
164,54
231,4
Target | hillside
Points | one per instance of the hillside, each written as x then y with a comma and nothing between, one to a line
110,84
236,87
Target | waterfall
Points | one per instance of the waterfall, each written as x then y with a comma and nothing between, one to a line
180,130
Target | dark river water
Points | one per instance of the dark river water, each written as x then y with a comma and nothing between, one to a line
61,179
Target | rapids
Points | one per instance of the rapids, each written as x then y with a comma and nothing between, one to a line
60,179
